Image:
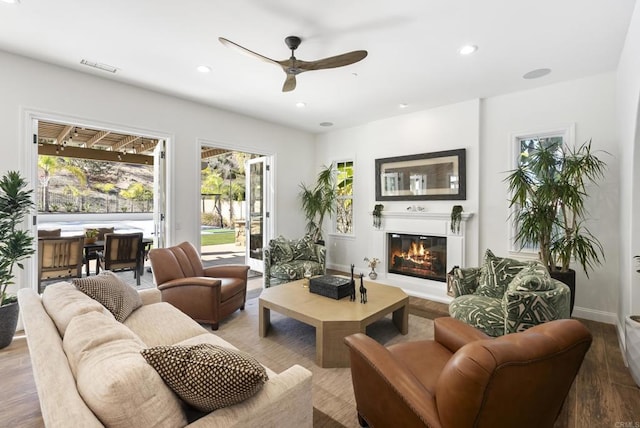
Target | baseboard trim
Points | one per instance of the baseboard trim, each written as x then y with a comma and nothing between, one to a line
595,315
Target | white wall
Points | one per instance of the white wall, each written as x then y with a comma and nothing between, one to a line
589,104
27,84
628,99
450,127
484,128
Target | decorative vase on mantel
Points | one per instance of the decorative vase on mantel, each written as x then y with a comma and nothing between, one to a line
373,274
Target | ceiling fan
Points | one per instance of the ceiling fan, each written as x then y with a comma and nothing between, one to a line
293,66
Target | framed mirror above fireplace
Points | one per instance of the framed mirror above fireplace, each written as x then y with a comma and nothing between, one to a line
426,176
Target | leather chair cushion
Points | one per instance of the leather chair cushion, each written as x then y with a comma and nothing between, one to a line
412,356
484,313
230,287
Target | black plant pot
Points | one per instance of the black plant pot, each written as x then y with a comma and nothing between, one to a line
8,323
568,278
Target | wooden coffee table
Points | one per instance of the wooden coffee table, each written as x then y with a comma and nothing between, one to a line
334,319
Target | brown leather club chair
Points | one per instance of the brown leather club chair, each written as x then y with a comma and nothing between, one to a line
464,378
207,295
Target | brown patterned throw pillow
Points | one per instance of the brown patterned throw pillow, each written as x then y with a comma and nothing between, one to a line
206,376
116,295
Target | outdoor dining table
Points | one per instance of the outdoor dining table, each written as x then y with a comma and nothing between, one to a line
99,245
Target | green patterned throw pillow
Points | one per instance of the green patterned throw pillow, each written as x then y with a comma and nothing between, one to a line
281,251
497,273
533,277
304,249
208,377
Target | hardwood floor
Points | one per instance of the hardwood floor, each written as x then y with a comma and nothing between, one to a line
603,395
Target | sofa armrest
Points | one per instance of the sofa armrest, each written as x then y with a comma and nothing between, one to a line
150,295
453,334
283,401
379,378
465,281
321,254
227,271
266,258
551,305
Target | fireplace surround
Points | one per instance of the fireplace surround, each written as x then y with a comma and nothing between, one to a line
420,256
425,223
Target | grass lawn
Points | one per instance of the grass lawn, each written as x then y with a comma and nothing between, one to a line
225,237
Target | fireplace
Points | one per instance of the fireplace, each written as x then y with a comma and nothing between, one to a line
420,256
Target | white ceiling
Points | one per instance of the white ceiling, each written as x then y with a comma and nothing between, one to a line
412,47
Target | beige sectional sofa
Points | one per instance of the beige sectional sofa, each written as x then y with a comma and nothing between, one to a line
89,372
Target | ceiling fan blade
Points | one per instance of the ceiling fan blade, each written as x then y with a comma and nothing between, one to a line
332,62
244,50
289,83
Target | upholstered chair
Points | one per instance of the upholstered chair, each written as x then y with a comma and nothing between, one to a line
464,378
507,295
286,260
207,295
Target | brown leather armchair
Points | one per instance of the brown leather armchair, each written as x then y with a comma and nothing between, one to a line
464,378
205,294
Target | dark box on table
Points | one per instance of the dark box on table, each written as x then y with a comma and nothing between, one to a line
335,287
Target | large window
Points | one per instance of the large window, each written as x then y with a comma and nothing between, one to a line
525,146
344,203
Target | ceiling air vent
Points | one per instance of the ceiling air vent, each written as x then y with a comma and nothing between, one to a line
99,66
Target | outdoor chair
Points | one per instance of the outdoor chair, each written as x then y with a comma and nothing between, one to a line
207,295
92,253
59,258
464,378
122,252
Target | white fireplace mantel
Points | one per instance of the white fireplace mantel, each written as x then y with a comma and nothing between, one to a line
422,222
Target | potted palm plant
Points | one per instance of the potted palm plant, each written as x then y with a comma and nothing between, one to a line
319,201
548,192
15,246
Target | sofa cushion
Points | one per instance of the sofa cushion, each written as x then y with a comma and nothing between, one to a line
304,249
281,250
496,274
295,269
208,377
162,324
533,277
114,379
63,302
116,295
481,312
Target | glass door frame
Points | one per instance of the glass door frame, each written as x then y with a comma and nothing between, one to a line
266,213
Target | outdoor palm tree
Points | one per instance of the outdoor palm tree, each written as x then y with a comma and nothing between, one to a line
48,165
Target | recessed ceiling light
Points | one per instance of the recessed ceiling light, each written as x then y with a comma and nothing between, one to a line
354,74
203,69
403,105
326,123
300,104
535,74
467,50
11,1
